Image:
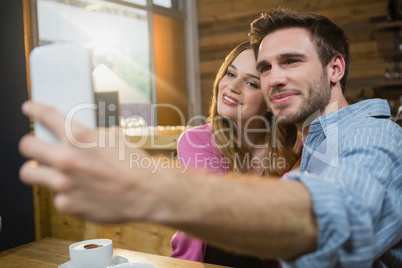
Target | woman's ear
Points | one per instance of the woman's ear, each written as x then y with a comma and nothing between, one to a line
336,69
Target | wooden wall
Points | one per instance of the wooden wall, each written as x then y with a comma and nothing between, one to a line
225,23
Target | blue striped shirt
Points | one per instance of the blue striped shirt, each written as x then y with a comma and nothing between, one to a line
352,167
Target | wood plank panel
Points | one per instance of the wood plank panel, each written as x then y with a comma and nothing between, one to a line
224,23
366,49
144,237
373,68
222,40
224,9
211,66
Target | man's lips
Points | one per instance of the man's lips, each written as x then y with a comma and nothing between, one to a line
283,97
228,100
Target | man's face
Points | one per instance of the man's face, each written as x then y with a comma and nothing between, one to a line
294,83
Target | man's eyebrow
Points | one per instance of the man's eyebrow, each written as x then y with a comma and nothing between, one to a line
260,64
281,57
291,55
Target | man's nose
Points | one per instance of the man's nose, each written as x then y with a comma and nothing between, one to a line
277,78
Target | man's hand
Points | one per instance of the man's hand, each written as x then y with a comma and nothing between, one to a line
97,182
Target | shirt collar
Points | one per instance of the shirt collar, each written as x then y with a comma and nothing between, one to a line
345,115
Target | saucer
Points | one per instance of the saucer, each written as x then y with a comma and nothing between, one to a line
134,265
116,259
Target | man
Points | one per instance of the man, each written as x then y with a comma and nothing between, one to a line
303,61
342,210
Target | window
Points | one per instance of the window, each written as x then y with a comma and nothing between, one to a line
139,47
167,3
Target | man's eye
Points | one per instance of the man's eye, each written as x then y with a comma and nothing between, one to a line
291,61
265,69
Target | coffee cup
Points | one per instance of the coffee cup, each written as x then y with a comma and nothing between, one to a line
93,253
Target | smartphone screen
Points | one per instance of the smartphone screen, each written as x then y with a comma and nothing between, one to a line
61,76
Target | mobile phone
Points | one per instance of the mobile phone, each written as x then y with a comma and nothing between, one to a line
61,77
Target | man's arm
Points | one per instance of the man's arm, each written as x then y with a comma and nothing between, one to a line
259,217
249,216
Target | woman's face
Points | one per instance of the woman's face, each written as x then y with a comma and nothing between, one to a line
240,97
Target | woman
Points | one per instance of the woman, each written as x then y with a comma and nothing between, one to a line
238,138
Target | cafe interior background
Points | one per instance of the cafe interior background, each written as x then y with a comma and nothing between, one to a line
148,57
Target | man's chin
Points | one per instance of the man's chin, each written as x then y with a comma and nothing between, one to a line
286,118
282,120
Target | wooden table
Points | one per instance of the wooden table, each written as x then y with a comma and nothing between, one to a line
52,252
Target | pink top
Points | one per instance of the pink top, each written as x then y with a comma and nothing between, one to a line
196,150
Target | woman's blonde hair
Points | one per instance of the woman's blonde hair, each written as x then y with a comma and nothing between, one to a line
281,141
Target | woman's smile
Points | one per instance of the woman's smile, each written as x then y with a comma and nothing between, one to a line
229,100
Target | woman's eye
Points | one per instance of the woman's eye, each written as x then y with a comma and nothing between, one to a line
254,85
230,74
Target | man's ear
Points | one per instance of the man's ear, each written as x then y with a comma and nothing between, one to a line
336,69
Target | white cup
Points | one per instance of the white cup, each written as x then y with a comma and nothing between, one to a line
94,253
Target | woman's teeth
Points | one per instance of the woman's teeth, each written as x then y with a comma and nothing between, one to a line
230,100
